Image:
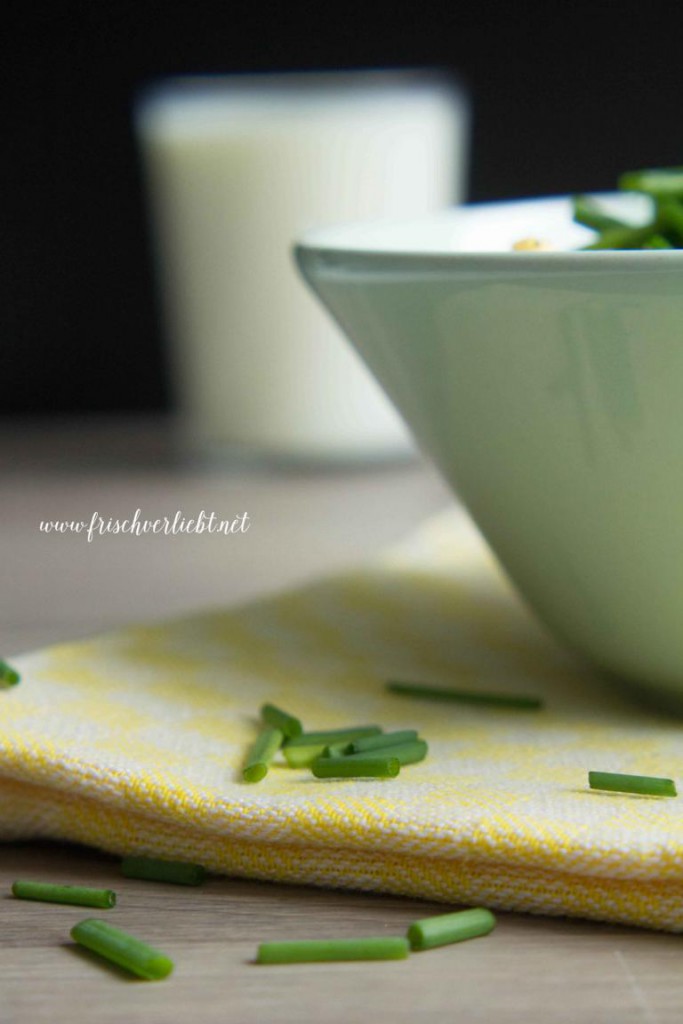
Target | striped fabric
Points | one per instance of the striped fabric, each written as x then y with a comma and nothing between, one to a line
133,743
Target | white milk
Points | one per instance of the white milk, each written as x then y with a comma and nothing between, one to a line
237,168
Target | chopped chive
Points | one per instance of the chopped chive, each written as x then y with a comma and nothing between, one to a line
356,767
278,719
588,213
664,187
406,753
122,949
643,784
659,182
8,675
324,737
302,757
79,895
671,218
318,950
658,242
386,739
503,700
302,751
446,928
622,238
152,870
336,750
262,752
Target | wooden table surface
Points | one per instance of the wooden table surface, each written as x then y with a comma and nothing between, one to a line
529,969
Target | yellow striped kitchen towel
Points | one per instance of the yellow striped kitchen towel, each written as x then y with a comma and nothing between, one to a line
133,742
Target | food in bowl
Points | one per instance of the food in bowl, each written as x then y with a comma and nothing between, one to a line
661,229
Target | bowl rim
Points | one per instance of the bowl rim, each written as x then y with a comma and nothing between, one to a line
326,245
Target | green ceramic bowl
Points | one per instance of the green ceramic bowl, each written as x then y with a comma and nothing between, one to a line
548,388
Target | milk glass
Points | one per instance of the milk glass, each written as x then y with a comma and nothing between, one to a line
236,168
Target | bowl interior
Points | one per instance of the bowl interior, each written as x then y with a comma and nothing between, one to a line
480,228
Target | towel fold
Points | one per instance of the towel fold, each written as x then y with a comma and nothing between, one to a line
133,742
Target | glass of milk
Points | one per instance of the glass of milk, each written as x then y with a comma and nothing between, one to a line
237,167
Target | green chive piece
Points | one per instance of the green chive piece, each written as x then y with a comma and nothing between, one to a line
587,212
80,895
302,757
319,950
152,870
337,750
302,751
622,238
264,749
671,220
8,675
658,242
356,767
278,719
502,700
406,753
447,928
664,186
324,737
386,739
659,182
122,949
643,784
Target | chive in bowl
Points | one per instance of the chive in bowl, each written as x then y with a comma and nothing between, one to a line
547,386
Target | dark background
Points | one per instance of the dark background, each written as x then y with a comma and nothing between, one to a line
563,100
